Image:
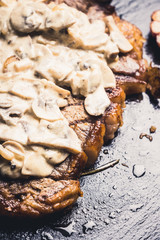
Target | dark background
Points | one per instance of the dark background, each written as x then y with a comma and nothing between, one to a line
120,205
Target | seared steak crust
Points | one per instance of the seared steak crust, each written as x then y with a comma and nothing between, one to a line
37,197
60,190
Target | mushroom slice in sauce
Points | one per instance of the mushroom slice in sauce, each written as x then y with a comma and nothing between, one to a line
8,61
53,68
54,91
52,155
12,115
24,88
60,17
86,81
23,65
5,101
18,154
56,134
109,49
97,102
46,108
4,19
117,36
7,81
106,74
36,165
15,133
16,148
86,36
55,156
7,155
24,17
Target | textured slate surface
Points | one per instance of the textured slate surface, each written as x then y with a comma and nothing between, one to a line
120,205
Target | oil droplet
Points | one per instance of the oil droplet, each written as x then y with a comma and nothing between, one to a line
88,225
68,230
138,170
112,215
136,207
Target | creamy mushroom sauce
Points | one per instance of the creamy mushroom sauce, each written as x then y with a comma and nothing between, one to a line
44,48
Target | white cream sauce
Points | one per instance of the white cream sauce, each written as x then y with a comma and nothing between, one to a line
42,49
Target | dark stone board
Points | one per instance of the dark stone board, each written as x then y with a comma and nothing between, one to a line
116,204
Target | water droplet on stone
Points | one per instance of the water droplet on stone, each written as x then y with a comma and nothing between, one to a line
105,151
84,210
88,225
135,207
47,236
110,195
114,187
118,210
112,215
68,230
138,170
95,207
106,221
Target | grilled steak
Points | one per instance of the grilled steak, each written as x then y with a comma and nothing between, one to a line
35,197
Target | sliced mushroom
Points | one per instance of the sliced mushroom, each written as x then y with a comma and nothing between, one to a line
86,36
55,156
24,18
109,49
4,22
16,111
6,154
36,165
7,81
15,133
23,65
56,134
41,51
61,91
117,36
12,115
46,109
24,88
106,75
60,17
8,61
22,46
86,81
54,91
97,102
5,101
52,155
16,148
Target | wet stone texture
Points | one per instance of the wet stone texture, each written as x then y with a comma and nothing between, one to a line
116,204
